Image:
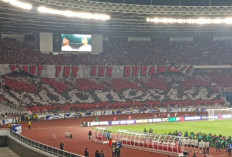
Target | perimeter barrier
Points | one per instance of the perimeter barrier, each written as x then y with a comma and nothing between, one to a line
163,144
43,147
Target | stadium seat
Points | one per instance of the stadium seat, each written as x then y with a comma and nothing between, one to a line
132,143
146,145
170,148
155,146
175,149
165,147
136,143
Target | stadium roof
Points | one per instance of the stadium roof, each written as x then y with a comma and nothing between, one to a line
126,19
173,2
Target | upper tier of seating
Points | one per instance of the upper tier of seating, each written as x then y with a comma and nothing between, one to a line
128,53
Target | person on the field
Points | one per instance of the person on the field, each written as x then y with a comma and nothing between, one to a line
110,142
204,148
192,135
188,142
29,125
86,152
61,145
97,154
229,139
210,139
90,134
145,130
207,147
102,154
194,155
201,145
118,152
214,140
192,143
113,150
186,134
184,142
229,148
109,135
81,115
223,142
119,144
196,143
218,145
176,133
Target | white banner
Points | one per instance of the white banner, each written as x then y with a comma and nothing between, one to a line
82,71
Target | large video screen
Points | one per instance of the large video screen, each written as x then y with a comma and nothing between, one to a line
76,42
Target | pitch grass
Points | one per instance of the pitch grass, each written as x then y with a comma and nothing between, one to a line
223,127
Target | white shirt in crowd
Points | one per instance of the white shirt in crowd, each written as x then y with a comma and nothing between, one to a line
192,142
184,141
207,144
196,142
201,144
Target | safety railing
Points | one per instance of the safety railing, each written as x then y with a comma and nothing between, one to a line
164,144
43,147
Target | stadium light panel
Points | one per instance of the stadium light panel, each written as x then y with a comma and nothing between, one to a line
200,21
72,14
19,4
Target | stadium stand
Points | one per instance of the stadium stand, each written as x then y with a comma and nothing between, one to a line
132,53
186,43
43,94
21,88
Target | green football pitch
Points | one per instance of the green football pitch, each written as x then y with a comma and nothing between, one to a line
223,127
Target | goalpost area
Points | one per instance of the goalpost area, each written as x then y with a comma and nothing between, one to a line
214,114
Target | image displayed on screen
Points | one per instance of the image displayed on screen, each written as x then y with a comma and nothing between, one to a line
76,42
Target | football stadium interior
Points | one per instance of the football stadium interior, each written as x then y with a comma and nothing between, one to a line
129,78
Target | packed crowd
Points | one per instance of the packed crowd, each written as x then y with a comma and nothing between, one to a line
120,52
193,141
204,141
82,94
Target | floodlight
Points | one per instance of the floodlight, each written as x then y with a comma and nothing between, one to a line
19,4
73,14
199,20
